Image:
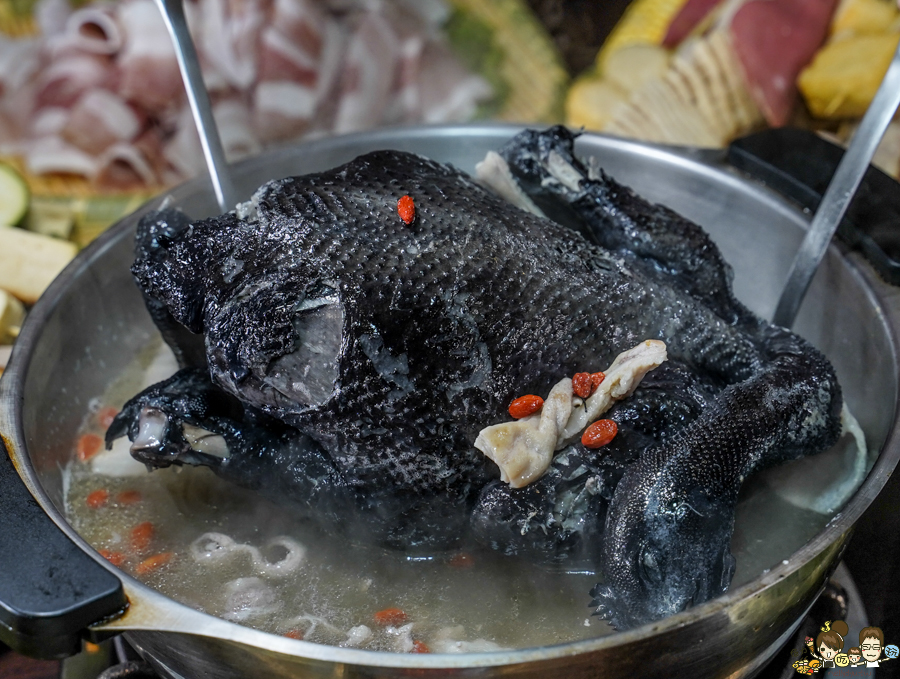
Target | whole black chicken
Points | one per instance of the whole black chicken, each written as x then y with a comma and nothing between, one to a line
349,355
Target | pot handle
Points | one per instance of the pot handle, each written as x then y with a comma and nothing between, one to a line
50,589
799,164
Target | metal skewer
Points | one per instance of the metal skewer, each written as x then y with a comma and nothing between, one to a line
173,14
840,192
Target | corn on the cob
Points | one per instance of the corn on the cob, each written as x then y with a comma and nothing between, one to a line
644,22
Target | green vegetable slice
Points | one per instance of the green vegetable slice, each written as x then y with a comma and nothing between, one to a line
14,196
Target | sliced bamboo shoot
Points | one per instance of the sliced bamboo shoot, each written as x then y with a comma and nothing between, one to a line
30,261
12,313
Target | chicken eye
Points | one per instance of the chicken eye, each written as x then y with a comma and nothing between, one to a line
649,566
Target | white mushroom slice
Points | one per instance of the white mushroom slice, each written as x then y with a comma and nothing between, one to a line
523,449
163,365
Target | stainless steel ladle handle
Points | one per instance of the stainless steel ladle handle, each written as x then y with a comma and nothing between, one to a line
173,14
840,192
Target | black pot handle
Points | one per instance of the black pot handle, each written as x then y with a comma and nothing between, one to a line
799,164
50,590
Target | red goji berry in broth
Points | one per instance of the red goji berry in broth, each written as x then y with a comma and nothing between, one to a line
88,446
105,416
153,563
128,497
115,558
97,498
141,535
390,617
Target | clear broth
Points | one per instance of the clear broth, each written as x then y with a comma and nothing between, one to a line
469,600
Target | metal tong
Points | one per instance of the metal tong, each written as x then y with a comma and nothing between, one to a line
198,97
840,192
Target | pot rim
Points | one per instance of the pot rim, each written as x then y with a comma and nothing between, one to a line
12,384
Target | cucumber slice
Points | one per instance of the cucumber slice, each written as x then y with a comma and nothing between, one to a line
14,196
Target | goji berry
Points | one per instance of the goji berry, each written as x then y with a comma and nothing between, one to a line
88,446
105,416
153,563
115,558
390,617
525,406
406,209
97,499
141,535
128,497
582,385
599,434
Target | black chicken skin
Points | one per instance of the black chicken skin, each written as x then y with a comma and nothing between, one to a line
350,359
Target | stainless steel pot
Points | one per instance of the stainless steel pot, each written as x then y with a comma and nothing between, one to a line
91,323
